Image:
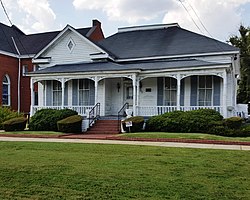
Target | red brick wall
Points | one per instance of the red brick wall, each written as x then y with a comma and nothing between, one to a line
9,66
25,86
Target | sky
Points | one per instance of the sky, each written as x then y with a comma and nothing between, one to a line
214,18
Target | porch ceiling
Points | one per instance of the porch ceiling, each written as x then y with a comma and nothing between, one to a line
111,66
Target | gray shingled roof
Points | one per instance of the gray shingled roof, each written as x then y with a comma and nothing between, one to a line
28,44
111,66
169,41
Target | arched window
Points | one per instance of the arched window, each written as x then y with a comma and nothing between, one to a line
6,91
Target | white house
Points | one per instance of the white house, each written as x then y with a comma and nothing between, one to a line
155,69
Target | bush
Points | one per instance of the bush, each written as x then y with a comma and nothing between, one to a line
15,124
137,124
72,124
6,114
46,119
195,121
233,122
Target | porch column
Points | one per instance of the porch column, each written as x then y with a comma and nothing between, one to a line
178,92
31,96
225,94
134,95
96,94
63,92
137,92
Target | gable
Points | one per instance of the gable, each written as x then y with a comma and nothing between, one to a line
70,47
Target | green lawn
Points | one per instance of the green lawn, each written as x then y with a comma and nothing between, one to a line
183,136
33,132
91,171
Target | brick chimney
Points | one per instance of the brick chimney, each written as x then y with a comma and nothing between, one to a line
97,33
96,22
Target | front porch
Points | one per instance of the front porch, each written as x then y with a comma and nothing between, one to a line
146,95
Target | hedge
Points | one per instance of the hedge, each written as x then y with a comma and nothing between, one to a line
72,124
15,124
6,113
46,119
195,121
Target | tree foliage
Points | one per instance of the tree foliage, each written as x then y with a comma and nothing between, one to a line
243,42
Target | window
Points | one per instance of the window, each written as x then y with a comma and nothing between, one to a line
25,70
205,88
129,92
57,93
6,91
84,92
170,91
70,45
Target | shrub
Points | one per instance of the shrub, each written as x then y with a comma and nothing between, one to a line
6,114
15,124
46,119
137,124
185,122
72,124
233,122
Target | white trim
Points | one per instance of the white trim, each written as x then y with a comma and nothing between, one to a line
9,90
41,60
178,56
146,27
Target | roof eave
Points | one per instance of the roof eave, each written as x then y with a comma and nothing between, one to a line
177,56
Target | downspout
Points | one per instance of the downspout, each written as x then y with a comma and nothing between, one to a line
19,76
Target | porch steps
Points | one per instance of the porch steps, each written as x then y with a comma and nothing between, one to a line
104,127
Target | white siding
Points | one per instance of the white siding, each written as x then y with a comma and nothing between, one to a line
60,54
148,98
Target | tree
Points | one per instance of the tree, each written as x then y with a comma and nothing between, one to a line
243,42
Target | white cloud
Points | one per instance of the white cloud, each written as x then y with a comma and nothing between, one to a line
221,18
38,14
30,15
127,10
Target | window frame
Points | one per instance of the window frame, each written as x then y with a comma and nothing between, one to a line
57,90
82,90
206,89
170,90
8,84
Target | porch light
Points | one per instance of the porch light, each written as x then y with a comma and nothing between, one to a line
118,86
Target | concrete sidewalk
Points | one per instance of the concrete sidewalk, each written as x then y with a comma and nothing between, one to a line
141,143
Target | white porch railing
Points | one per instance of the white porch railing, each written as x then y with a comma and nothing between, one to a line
217,108
154,110
82,110
158,110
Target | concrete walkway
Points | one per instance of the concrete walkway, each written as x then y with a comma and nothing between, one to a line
141,143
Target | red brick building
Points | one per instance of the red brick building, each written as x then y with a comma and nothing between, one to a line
16,53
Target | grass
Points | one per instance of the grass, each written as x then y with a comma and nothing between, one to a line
91,171
33,132
202,136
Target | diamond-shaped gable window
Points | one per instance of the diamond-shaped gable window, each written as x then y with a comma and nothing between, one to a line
70,45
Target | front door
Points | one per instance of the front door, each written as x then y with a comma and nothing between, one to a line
128,94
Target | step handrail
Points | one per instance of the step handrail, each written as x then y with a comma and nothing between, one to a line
121,113
94,114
